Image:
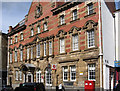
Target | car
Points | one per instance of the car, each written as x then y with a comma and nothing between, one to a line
30,87
7,88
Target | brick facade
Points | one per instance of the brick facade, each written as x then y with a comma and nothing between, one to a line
50,14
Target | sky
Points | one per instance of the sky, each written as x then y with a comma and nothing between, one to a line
13,11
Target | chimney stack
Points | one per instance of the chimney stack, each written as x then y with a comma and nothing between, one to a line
10,28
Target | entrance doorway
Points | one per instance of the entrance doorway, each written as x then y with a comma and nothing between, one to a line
29,77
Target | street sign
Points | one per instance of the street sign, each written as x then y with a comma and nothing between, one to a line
54,66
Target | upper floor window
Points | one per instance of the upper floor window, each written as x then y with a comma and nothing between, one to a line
31,52
32,32
45,49
15,56
21,36
73,73
62,46
38,50
15,39
65,73
27,53
74,14
21,55
75,42
91,72
90,8
45,26
38,29
50,48
62,20
90,38
38,10
66,0
10,40
10,57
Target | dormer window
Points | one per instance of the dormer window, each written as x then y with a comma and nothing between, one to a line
38,10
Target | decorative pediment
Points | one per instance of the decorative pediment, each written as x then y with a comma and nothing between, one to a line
61,33
74,29
90,25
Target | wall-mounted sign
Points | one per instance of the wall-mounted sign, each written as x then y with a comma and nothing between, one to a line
81,73
117,63
54,66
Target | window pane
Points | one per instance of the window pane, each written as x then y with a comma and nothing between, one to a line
44,49
38,50
75,42
74,14
50,48
91,72
62,46
38,29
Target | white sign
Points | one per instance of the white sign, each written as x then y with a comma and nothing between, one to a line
54,66
81,73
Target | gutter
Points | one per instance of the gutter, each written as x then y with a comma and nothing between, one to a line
100,46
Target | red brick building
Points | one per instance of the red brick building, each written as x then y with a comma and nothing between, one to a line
61,36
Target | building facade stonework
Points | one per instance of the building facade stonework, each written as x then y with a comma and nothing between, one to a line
64,35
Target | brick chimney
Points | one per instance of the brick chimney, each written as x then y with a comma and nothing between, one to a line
10,29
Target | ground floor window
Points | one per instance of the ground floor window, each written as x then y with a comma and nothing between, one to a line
91,72
38,76
65,73
48,77
73,73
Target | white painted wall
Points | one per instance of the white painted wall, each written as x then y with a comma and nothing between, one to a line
117,25
108,42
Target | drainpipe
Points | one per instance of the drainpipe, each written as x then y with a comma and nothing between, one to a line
100,45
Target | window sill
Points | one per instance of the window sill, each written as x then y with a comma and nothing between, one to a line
90,15
15,42
61,25
45,31
22,40
74,20
63,53
75,51
31,36
91,48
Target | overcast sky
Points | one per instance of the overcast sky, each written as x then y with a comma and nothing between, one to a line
12,13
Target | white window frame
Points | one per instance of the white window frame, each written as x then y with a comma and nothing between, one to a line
49,79
16,75
91,68
28,51
31,77
75,14
21,36
11,57
72,70
38,50
89,8
75,41
21,55
15,56
15,39
32,32
45,26
65,70
45,50
62,45
10,40
50,47
31,52
20,75
38,29
62,19
90,38
38,76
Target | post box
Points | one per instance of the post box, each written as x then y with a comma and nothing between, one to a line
89,85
